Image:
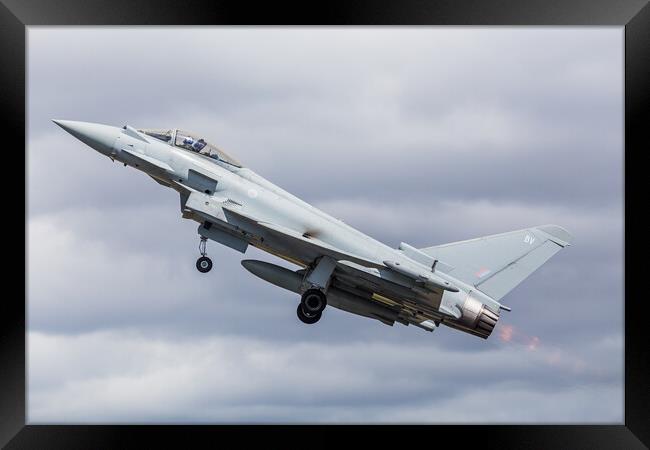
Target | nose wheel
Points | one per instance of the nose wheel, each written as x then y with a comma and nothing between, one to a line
203,264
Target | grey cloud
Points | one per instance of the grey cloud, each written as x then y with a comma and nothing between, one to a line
353,380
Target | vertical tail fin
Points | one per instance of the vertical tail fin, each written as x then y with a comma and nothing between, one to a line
496,264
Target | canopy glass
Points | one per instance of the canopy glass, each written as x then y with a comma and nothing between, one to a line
191,142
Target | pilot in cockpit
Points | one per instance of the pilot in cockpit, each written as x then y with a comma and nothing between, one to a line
198,145
195,146
188,141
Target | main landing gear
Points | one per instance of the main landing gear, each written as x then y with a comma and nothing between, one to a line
312,304
203,264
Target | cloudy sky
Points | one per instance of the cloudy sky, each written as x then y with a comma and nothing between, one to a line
423,135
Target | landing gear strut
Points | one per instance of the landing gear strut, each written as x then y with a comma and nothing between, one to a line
203,264
311,306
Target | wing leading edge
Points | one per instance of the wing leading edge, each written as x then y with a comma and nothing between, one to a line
311,244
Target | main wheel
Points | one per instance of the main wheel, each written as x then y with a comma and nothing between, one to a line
204,264
306,317
313,301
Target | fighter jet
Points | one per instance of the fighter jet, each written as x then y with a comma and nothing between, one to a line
459,285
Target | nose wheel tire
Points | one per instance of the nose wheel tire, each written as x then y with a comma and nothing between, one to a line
313,301
306,317
204,264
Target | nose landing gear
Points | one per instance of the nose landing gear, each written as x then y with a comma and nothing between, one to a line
203,264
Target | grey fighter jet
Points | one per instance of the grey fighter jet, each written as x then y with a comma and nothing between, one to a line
459,285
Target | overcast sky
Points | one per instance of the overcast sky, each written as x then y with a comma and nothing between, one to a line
424,135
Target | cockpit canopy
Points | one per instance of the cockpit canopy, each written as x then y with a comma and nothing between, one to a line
190,141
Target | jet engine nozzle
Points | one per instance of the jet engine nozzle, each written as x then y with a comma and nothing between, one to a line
477,318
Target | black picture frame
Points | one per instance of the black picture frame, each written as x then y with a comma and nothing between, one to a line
16,15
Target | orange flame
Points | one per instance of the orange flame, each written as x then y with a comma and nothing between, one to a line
506,333
509,333
551,355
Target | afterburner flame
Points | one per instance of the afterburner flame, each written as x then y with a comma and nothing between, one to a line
509,333
506,333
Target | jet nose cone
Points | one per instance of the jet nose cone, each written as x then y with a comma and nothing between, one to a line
98,136
61,123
